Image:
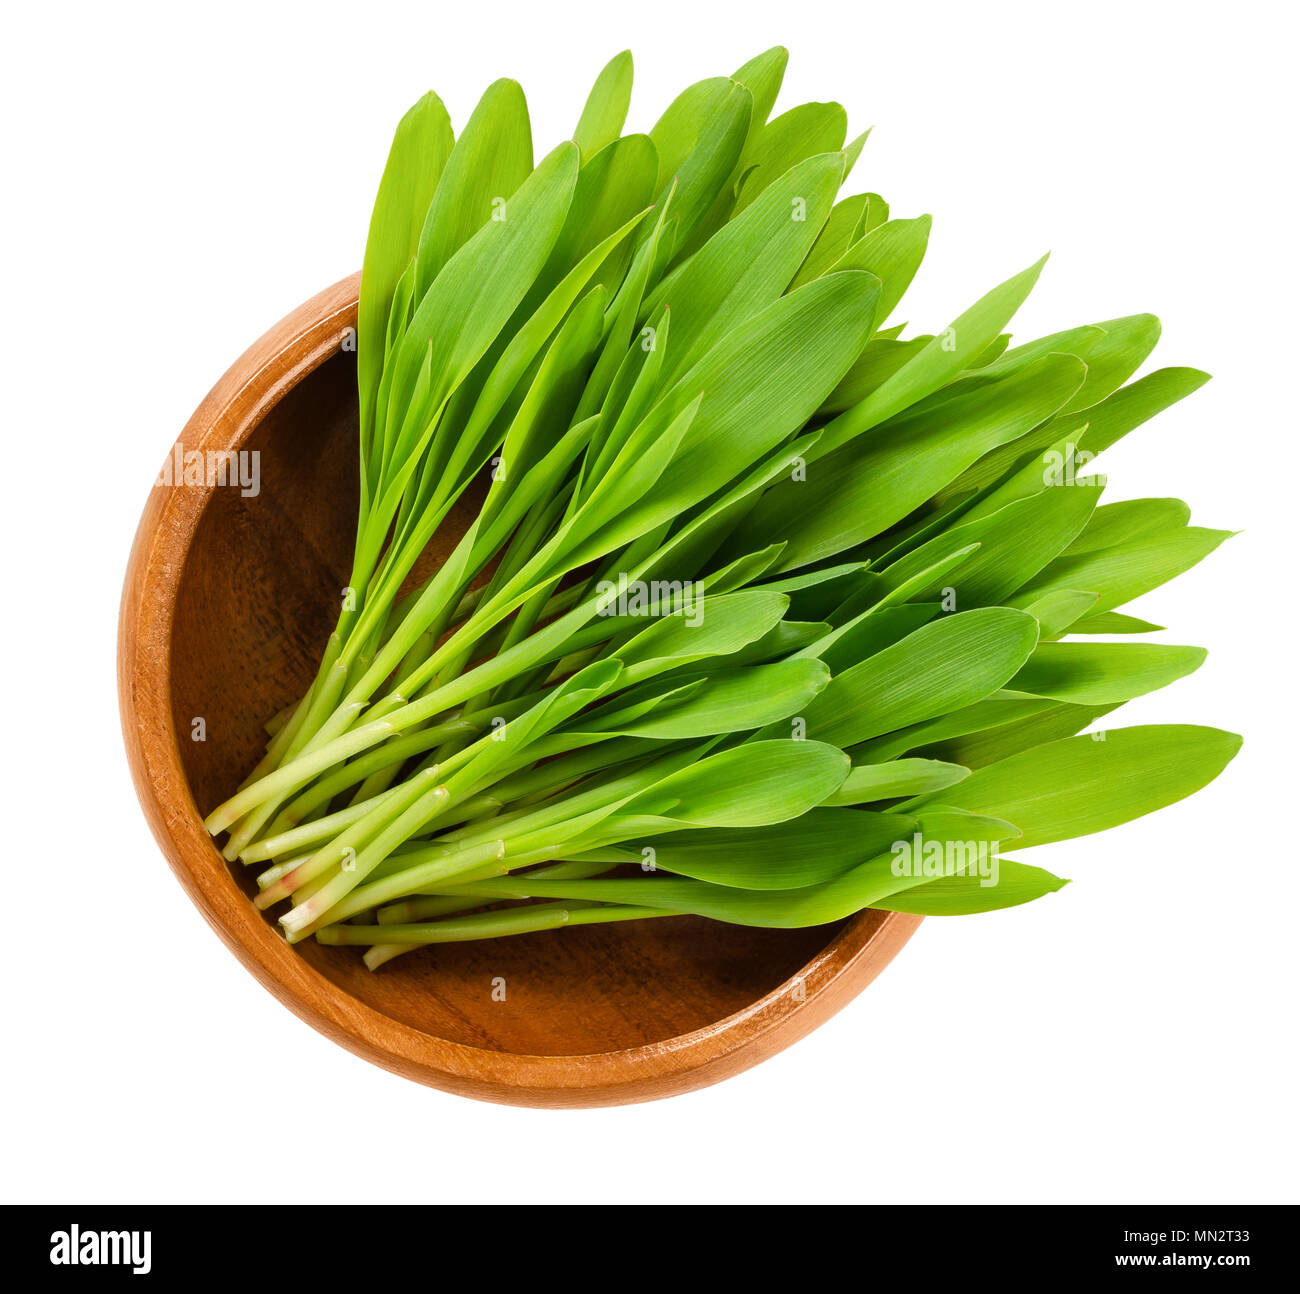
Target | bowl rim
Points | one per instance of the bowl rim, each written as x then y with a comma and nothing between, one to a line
228,415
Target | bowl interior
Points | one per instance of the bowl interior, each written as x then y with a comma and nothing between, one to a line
262,579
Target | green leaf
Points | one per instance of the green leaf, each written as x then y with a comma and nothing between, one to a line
994,350
1058,609
723,700
1105,424
482,284
1070,341
870,484
868,783
1016,544
897,584
819,591
724,624
614,188
999,709
852,151
782,640
880,360
743,571
1123,573
808,850
940,667
753,785
783,143
621,320
1113,622
941,359
748,264
853,641
1062,464
1129,521
699,141
992,743
625,503
490,160
605,111
1114,358
951,896
835,238
863,885
420,149
762,77
1113,350
517,358
1103,673
509,741
875,215
1084,784
893,253
760,383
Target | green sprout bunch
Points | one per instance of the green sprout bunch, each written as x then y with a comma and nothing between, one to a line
763,611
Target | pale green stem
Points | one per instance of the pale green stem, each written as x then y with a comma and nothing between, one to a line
488,925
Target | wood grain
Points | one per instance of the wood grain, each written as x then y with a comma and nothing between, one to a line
226,606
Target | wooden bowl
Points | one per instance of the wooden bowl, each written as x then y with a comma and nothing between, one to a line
227,604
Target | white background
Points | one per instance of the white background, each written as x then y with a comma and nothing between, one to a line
177,178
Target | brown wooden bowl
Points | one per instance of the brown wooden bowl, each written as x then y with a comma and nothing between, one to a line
227,604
